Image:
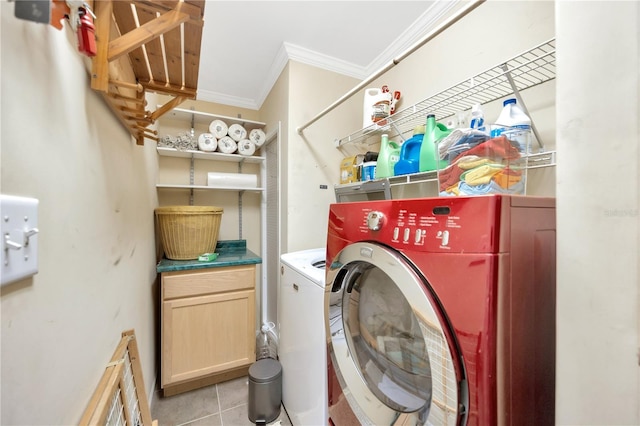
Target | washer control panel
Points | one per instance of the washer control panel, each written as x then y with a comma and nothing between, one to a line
412,225
443,224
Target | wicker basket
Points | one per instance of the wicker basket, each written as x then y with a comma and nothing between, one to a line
188,231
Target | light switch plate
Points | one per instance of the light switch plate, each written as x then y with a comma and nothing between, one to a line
19,238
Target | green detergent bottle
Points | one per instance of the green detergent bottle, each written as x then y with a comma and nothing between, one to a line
429,158
387,158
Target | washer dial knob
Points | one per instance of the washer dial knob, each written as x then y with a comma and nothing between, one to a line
375,220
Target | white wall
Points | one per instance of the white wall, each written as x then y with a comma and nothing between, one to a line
312,159
62,145
598,294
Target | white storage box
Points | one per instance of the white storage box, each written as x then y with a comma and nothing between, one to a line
232,180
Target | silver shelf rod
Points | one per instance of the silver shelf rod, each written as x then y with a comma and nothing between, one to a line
440,28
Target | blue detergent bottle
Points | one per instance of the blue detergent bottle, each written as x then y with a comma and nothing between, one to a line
409,161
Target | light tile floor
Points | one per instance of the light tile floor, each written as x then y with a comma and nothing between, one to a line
224,404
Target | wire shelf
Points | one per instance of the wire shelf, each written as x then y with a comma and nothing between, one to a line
531,68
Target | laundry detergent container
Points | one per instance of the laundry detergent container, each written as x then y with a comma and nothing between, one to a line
188,231
265,390
409,161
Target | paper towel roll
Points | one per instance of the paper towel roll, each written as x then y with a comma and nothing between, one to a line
207,142
227,145
246,147
232,180
237,132
258,137
218,128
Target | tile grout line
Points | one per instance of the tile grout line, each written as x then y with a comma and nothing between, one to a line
195,420
219,406
236,406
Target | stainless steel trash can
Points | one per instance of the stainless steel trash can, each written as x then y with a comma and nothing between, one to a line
265,390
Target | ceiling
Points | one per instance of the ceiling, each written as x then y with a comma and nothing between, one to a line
247,44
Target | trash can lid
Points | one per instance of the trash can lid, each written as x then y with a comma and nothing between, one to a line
265,370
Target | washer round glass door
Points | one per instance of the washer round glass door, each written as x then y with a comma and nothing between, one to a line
391,356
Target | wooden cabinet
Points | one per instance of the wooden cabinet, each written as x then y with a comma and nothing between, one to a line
207,326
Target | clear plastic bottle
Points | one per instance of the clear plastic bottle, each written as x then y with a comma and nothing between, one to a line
265,344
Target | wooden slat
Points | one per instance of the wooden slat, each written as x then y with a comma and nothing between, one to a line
134,355
137,109
99,417
126,23
153,47
139,36
186,92
173,52
105,381
167,107
147,131
195,12
120,116
192,41
99,63
122,98
133,86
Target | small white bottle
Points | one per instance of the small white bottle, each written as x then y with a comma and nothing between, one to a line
477,118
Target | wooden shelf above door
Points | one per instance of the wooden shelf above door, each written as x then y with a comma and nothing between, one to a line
146,46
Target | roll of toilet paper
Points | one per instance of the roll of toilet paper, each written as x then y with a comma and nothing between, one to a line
207,142
218,128
232,180
237,132
258,137
246,147
227,145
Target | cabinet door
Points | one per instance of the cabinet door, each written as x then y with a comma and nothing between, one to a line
207,334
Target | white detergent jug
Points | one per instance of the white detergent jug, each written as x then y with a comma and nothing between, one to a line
514,124
377,106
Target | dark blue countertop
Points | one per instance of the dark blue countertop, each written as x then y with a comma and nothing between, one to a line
230,253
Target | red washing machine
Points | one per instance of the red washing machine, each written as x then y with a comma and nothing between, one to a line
441,311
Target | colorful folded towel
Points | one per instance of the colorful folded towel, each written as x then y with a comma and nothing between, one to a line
469,162
497,149
507,177
490,188
481,175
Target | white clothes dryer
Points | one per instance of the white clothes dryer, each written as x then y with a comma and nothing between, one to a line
303,346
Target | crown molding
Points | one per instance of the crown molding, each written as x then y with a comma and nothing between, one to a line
326,62
278,64
224,99
291,52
